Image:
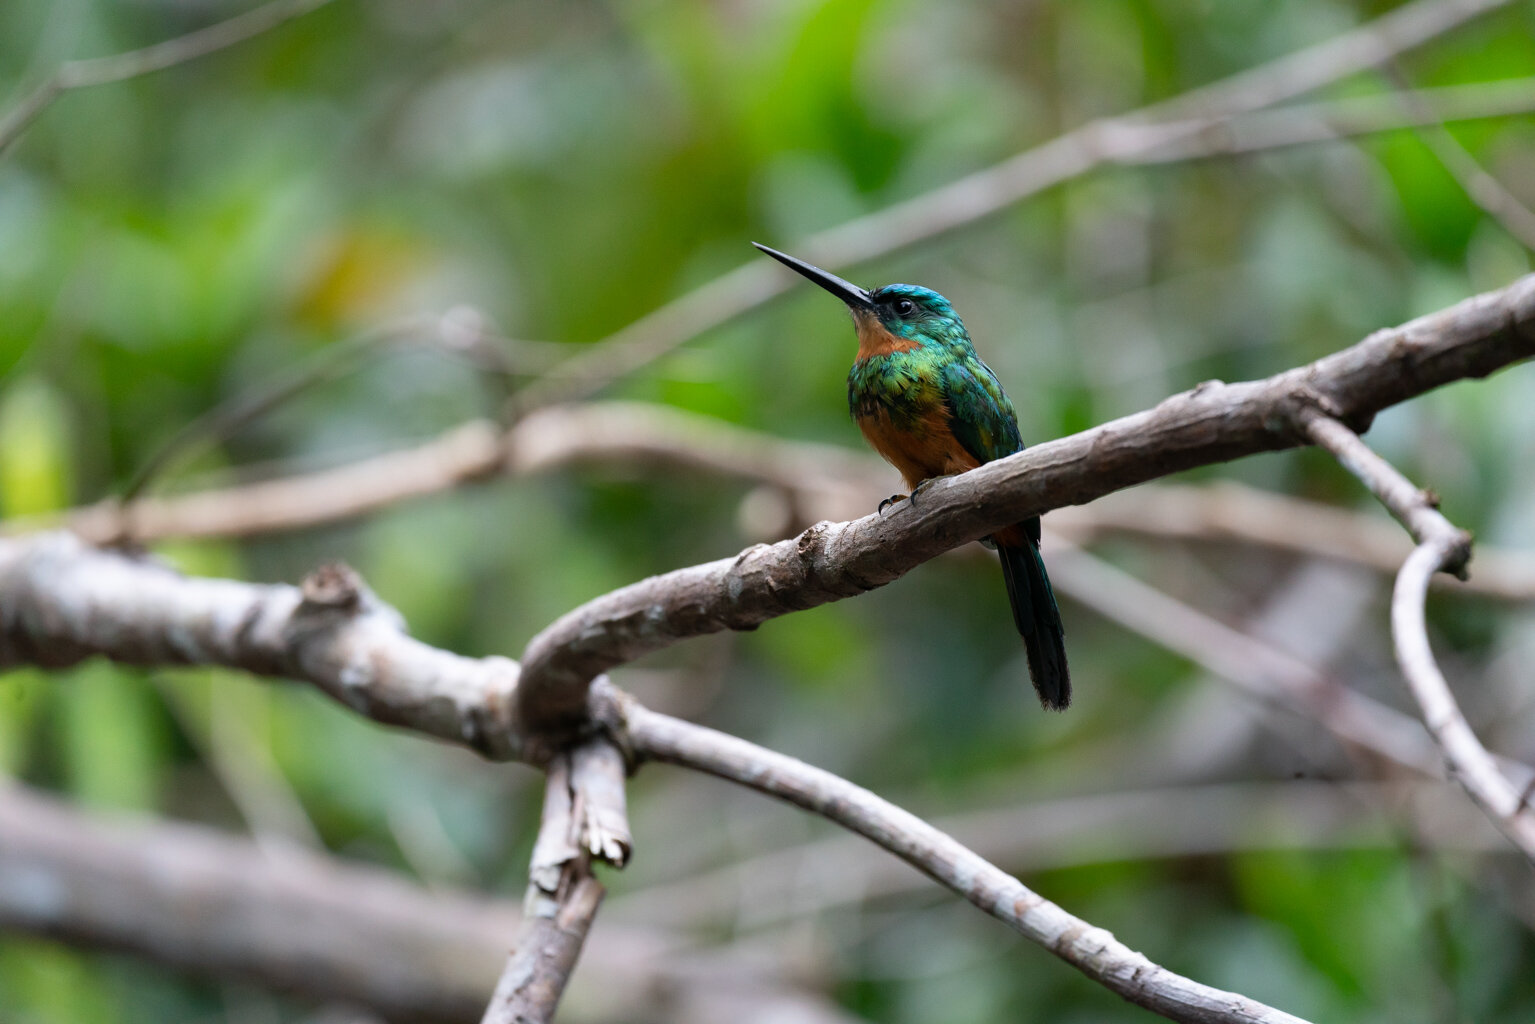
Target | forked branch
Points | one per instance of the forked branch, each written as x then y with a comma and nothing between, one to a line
1093,951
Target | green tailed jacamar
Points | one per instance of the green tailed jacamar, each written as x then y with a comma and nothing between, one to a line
927,403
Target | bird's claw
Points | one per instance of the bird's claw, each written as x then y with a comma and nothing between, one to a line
893,499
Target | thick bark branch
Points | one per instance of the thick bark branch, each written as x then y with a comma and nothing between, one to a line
1212,423
62,602
562,900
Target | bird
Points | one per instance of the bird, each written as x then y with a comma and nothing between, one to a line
925,401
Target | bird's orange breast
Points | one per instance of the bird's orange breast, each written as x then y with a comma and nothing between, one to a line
923,448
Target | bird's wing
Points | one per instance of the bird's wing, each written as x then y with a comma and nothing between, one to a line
980,414
982,417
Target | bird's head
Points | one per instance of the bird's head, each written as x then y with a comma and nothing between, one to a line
890,318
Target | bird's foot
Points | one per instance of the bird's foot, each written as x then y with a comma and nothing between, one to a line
912,497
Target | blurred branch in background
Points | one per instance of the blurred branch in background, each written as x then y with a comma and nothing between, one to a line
1265,672
198,900
83,74
462,333
820,481
983,193
1307,124
1481,187
1228,512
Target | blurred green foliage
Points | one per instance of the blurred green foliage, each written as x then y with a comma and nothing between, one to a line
169,242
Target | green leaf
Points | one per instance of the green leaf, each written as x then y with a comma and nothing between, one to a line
34,449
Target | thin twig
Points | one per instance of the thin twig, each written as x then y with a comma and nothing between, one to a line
225,420
244,768
1441,546
1263,671
1093,951
1480,187
461,332
1473,767
1416,509
1304,124
82,74
794,882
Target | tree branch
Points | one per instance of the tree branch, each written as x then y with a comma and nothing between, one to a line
627,433
82,74
1480,186
1214,422
1230,512
1093,951
786,884
202,901
563,896
1265,672
1441,546
1304,124
1416,509
62,602
822,481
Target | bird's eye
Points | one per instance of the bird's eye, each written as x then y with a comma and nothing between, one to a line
905,307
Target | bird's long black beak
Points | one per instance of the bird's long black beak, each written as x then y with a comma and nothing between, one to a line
850,293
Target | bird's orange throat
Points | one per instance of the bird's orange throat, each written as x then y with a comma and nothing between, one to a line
874,339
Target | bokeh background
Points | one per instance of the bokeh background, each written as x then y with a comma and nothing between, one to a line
170,243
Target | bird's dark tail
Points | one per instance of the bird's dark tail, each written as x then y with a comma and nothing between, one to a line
1038,621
